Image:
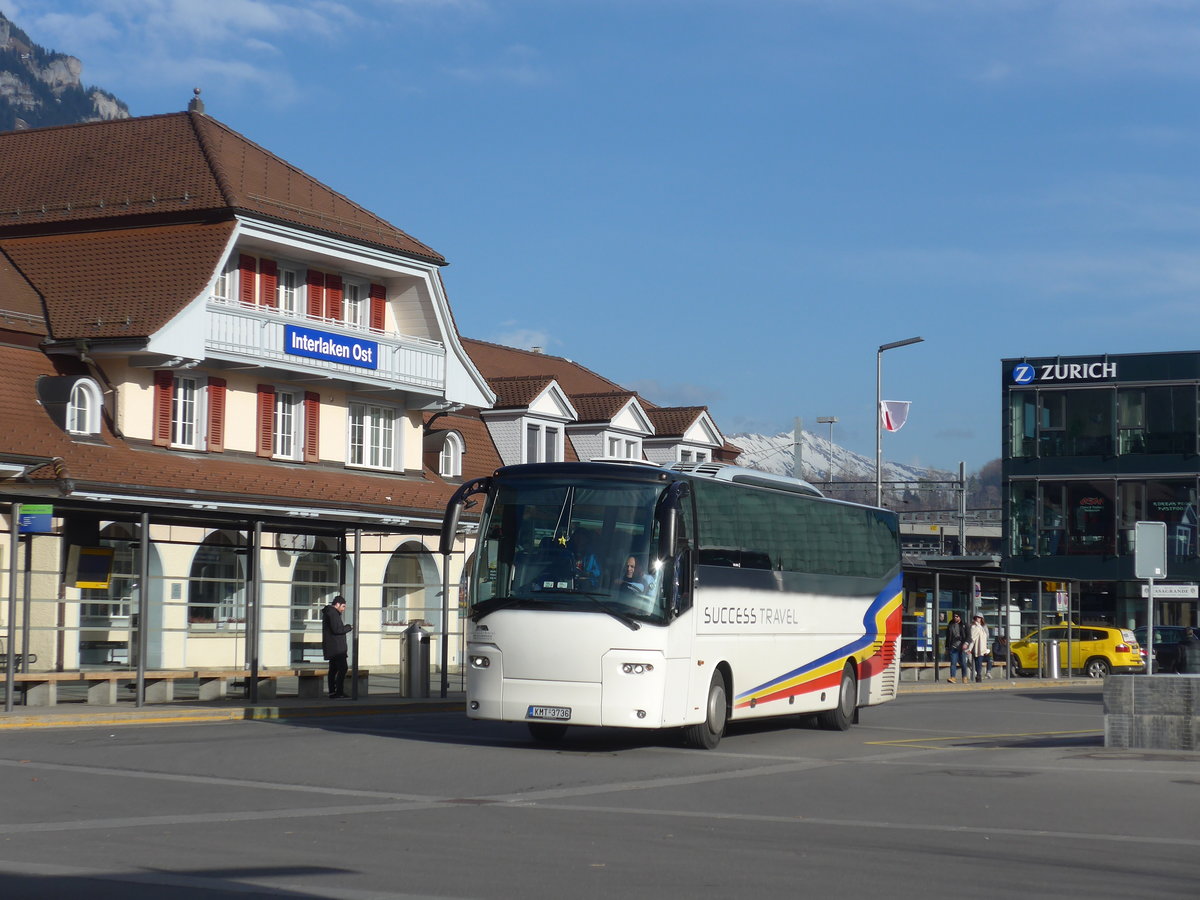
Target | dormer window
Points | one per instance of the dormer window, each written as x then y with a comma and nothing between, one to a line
450,461
543,443
83,408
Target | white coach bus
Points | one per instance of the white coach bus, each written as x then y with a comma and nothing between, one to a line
632,595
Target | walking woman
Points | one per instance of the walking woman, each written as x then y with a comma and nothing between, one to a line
980,647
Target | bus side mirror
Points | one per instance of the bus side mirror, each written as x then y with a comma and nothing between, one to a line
668,518
454,509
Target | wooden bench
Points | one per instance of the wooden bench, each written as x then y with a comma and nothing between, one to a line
41,688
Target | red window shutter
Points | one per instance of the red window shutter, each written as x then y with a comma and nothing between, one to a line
216,415
333,297
378,300
164,383
247,266
315,282
266,420
312,427
269,282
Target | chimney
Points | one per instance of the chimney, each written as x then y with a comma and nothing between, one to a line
535,349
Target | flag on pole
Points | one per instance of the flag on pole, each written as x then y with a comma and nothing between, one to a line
894,413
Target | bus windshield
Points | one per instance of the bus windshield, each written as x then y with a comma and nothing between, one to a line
570,544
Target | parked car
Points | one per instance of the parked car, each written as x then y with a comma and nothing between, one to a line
1167,657
1096,650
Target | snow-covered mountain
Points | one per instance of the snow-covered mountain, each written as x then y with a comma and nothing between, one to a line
775,453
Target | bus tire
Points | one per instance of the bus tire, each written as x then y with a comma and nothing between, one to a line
547,732
707,734
841,716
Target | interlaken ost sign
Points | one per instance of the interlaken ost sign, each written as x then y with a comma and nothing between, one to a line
1043,372
337,348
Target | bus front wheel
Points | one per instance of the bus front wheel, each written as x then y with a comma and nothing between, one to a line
708,733
841,716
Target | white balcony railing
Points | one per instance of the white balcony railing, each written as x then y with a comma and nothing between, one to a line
257,333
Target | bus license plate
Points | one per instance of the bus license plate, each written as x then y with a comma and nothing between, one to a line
548,712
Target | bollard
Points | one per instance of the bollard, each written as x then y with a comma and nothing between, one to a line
414,675
1050,664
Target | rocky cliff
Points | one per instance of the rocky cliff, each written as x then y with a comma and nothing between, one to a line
39,87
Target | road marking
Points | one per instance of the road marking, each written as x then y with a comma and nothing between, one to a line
971,737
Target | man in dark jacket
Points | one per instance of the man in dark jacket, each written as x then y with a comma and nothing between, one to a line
333,643
956,640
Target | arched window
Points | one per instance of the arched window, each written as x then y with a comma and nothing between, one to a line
450,464
315,581
216,587
112,605
411,587
83,409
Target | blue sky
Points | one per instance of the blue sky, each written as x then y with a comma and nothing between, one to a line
734,202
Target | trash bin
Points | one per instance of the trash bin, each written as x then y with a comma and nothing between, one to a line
414,674
1050,664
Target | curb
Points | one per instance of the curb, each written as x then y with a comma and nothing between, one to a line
110,718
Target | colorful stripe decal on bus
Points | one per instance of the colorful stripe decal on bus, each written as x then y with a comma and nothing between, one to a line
872,652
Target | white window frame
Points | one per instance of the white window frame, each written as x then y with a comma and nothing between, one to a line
83,408
356,303
188,412
450,461
548,434
225,286
373,436
290,298
691,454
288,424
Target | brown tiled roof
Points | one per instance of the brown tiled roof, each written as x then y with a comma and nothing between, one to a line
479,457
600,407
20,305
497,361
674,421
120,283
180,166
107,463
517,392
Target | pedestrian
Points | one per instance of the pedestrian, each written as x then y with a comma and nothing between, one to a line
981,651
333,644
956,646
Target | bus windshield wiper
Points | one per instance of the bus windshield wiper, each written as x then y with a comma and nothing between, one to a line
625,620
490,605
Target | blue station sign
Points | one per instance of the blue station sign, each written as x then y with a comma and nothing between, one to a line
338,348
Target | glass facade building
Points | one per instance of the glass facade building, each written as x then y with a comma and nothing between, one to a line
1093,445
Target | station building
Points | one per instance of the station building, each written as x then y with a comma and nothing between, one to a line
228,392
1091,446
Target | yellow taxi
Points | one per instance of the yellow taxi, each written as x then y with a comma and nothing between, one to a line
1096,650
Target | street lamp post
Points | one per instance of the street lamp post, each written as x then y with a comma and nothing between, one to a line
878,411
829,420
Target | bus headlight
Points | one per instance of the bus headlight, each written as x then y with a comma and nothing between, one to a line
636,668
480,662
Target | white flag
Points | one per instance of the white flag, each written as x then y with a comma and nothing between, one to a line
894,413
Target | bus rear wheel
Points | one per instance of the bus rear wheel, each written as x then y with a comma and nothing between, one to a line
841,716
547,732
708,733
